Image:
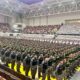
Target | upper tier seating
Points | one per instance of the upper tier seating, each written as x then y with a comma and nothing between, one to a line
4,27
69,29
41,29
69,32
68,37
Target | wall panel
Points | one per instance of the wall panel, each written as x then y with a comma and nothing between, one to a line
43,21
37,21
53,20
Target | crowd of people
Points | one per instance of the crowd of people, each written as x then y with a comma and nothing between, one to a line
4,27
44,29
51,59
50,29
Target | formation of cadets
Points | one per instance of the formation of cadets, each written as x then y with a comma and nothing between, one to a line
51,59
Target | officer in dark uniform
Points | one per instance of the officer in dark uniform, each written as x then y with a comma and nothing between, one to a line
37,53
44,68
40,60
63,75
24,54
59,69
50,61
18,60
26,64
67,64
2,52
33,64
13,59
7,58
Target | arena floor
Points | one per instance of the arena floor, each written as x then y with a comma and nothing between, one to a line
75,77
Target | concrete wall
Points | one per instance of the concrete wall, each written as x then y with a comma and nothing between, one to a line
51,20
42,20
5,18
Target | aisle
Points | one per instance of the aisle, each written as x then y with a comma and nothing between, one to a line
76,76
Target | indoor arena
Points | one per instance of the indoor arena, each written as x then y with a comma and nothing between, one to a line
39,39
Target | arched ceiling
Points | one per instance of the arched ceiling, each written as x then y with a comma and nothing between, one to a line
39,7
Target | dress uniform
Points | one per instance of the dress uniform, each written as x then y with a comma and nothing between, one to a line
23,56
26,64
44,68
18,60
33,64
67,64
2,52
13,59
40,60
7,58
59,69
50,62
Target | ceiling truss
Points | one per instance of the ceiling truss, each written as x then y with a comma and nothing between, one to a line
47,7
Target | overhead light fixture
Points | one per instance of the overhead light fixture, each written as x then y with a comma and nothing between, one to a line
60,4
48,7
73,2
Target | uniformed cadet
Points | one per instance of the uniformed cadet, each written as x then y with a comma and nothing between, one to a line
26,64
6,55
2,52
18,60
40,60
13,59
34,63
24,54
59,69
64,69
44,68
37,53
50,62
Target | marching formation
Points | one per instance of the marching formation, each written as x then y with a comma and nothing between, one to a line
52,59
